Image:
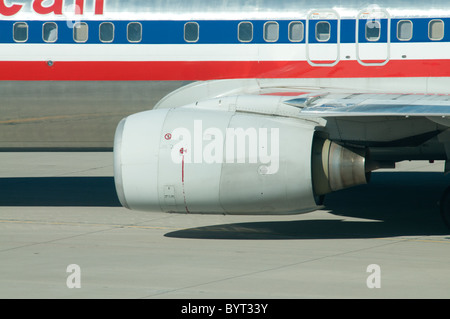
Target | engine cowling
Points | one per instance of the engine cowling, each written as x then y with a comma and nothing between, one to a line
184,160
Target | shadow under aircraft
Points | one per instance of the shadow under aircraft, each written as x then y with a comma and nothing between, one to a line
58,191
392,204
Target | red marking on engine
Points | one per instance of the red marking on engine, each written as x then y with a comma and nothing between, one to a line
182,183
182,170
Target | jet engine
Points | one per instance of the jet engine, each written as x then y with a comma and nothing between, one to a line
186,160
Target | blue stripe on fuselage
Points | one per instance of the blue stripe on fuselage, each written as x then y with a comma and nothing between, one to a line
222,32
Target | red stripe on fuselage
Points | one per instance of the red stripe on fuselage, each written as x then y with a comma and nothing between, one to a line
210,70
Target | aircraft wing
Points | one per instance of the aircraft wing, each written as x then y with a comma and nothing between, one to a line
368,105
319,101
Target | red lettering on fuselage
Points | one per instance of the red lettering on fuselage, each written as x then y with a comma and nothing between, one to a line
99,5
79,7
56,7
9,11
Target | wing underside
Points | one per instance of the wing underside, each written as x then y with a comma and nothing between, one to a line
393,127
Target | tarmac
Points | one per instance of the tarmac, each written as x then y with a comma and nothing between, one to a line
64,235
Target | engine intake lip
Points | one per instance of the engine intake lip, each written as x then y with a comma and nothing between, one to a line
118,163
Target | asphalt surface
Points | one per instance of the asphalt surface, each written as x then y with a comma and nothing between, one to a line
64,235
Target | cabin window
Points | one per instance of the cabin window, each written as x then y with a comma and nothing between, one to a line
296,31
323,31
436,30
404,30
245,32
106,32
373,30
271,30
134,32
50,32
80,32
20,32
191,32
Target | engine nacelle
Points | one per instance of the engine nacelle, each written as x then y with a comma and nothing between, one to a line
222,162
